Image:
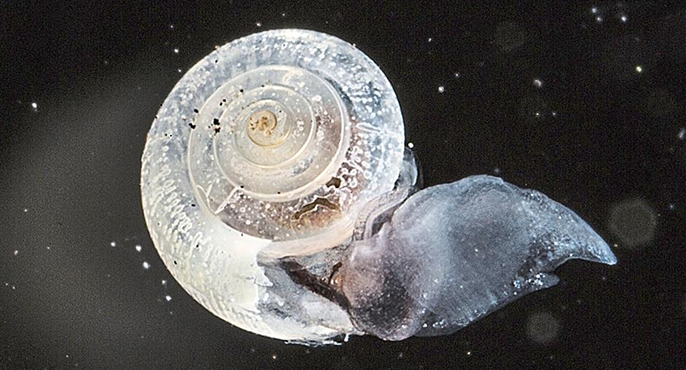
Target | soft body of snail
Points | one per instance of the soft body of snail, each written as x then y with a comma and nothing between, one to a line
278,192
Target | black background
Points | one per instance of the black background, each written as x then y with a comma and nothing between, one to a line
595,133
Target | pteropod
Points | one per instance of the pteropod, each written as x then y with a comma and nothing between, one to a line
278,192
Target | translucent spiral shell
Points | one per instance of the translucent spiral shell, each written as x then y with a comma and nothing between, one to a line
268,147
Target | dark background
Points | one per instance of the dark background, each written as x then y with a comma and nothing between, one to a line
602,133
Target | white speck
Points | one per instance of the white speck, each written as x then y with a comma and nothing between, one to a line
106,62
441,89
537,114
176,50
167,297
179,70
48,248
594,10
26,210
274,357
164,282
146,265
469,353
34,106
554,114
538,83
16,252
410,145
457,74
623,18
283,14
430,39
598,19
113,244
682,134
138,248
496,171
639,69
171,26
671,206
258,24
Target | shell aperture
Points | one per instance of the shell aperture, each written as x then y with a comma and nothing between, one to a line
277,192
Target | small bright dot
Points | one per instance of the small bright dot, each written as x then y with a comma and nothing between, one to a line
146,265
624,18
457,74
258,24
598,19
283,14
164,282
671,206
554,114
469,353
138,248
167,297
594,10
16,252
538,114
34,106
639,69
441,89
682,134
538,83
113,244
497,171
171,26
176,51
274,357
26,210
430,39
179,70
410,145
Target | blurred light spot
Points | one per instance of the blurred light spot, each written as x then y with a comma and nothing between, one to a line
429,39
594,10
543,327
176,51
457,74
410,145
599,19
168,298
639,69
34,106
164,282
146,265
113,244
538,83
497,171
16,252
138,248
510,36
274,357
671,206
624,18
283,14
171,26
633,221
26,210
441,89
258,24
682,134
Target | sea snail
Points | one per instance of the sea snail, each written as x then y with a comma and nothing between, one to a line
278,193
